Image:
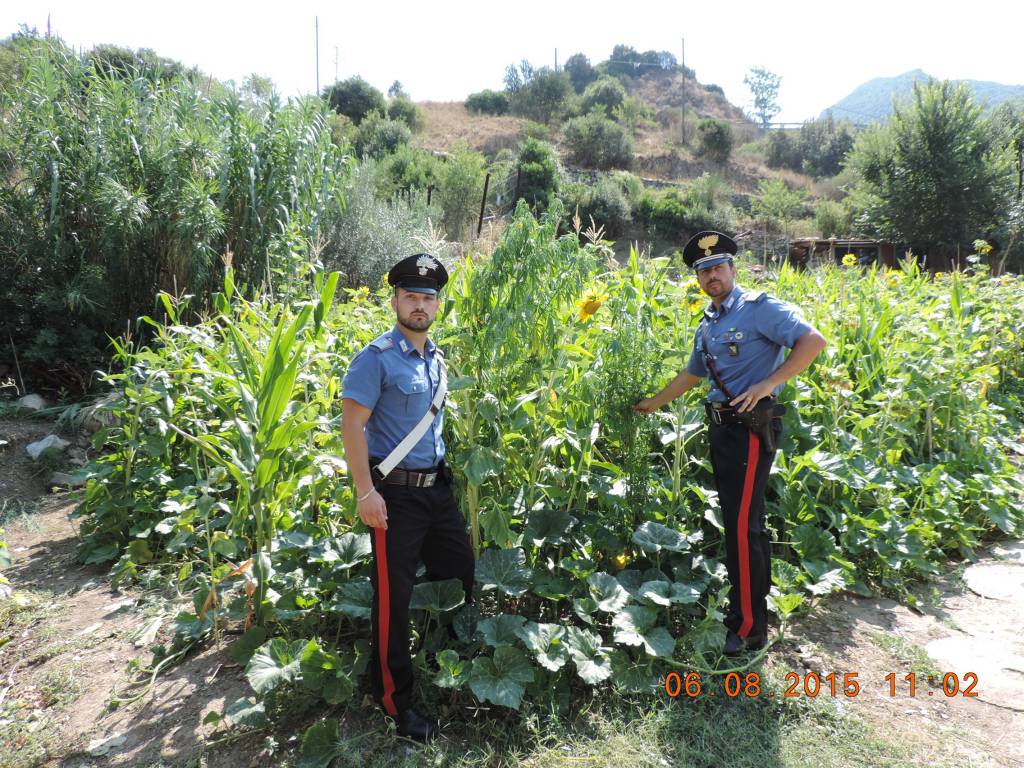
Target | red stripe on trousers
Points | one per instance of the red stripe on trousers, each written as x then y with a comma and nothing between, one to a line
743,534
383,616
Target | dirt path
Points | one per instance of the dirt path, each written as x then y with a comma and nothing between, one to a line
957,631
67,638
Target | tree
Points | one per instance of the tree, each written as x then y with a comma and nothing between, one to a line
487,102
935,176
764,87
396,90
606,93
543,95
537,171
460,184
594,141
777,204
513,80
355,98
623,61
580,72
716,140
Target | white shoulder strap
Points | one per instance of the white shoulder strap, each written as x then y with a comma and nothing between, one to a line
402,449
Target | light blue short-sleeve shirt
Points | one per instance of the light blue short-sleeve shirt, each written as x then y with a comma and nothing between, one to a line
745,337
391,378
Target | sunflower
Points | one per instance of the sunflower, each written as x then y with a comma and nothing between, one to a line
893,277
696,307
692,284
590,303
849,260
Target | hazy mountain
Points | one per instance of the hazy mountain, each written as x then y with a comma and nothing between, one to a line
872,101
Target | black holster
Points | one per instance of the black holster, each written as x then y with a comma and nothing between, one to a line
761,421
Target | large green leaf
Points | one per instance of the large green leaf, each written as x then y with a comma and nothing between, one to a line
609,595
545,640
438,596
246,712
634,625
654,537
352,549
504,569
453,670
500,630
482,464
501,679
321,744
274,663
549,526
354,598
327,673
633,676
667,592
588,654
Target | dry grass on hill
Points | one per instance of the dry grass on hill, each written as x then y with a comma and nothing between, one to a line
449,122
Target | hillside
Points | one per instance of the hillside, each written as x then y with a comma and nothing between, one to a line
872,101
660,153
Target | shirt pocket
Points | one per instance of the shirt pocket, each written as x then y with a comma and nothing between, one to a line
733,342
416,390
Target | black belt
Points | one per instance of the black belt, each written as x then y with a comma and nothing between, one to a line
720,413
407,477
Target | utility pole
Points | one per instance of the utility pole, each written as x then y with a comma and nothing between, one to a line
316,27
556,59
335,63
682,72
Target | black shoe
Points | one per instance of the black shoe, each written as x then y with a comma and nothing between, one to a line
734,644
415,726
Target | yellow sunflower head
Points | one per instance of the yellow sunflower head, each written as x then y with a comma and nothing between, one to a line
849,260
590,303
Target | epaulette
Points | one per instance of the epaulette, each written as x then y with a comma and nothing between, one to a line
754,296
382,343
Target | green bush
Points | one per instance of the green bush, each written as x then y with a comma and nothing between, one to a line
818,149
378,136
407,169
605,203
580,71
355,98
114,189
459,188
401,108
832,219
630,185
536,169
364,241
605,93
715,140
674,214
543,96
487,102
594,141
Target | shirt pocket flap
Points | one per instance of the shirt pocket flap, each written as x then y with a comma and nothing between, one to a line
412,386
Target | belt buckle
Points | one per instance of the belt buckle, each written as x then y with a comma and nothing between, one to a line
428,479
716,415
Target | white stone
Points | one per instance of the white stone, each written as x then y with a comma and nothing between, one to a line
32,403
50,442
63,478
996,581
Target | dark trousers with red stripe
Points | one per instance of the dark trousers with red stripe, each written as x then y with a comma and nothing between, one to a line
423,524
741,467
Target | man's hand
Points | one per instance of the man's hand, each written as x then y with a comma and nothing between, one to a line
750,398
645,406
373,511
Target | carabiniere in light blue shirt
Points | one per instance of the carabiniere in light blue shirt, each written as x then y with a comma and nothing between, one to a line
391,378
745,337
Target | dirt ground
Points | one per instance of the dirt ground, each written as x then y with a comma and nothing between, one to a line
71,638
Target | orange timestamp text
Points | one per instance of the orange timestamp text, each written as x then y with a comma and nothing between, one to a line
813,684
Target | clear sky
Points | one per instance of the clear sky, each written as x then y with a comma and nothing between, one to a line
444,50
